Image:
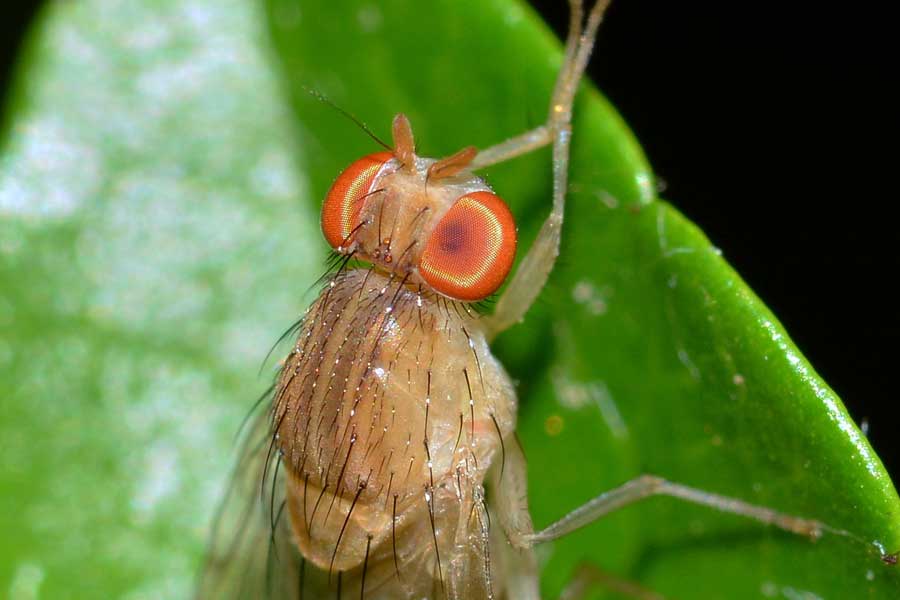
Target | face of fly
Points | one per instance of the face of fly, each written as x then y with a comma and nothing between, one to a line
431,222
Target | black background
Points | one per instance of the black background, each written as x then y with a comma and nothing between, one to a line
773,128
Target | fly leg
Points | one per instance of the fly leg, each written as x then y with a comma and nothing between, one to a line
588,578
647,486
538,262
509,500
510,495
521,573
516,521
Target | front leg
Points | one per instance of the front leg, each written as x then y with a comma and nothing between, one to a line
535,267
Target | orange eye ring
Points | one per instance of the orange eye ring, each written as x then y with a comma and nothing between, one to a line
345,199
471,250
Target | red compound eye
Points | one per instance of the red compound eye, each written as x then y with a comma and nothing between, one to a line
345,199
471,250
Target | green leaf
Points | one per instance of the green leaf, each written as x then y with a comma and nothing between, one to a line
159,187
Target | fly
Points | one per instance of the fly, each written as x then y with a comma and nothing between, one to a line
366,476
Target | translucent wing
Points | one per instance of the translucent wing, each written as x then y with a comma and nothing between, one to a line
250,554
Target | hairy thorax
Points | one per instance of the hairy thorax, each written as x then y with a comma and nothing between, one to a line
388,413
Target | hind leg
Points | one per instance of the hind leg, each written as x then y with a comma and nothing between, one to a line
511,502
520,571
588,578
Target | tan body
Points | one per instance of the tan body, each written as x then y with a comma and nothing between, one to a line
390,411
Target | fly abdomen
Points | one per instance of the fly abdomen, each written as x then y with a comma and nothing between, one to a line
387,412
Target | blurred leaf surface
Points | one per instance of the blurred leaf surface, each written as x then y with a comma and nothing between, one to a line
159,188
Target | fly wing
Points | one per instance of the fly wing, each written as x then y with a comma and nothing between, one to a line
250,554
